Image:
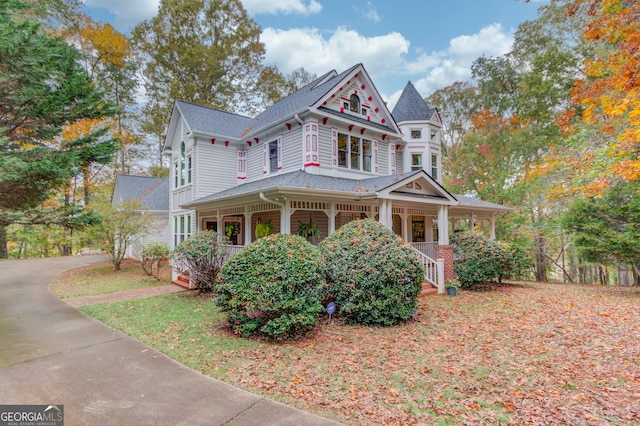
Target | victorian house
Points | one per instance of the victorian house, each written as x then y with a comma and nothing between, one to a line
327,154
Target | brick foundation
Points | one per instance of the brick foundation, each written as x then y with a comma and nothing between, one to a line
446,253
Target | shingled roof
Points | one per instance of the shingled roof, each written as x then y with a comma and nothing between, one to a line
411,106
152,192
302,180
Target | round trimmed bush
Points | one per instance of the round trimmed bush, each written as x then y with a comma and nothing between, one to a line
372,274
271,288
479,260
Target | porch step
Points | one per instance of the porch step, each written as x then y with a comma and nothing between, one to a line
182,281
428,290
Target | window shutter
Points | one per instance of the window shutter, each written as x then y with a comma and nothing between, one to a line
265,158
392,159
334,147
242,164
279,152
376,167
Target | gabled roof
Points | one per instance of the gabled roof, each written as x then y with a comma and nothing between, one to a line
411,106
214,122
303,181
211,121
152,192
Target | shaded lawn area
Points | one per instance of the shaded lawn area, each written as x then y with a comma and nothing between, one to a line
521,354
102,279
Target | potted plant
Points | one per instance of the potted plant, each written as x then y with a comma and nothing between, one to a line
308,230
264,228
452,287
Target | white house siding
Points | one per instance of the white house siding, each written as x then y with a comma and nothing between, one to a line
159,232
255,161
325,147
214,167
292,149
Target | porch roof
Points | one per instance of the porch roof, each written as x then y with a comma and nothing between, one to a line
301,181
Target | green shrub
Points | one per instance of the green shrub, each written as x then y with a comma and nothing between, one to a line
271,288
478,260
517,263
152,255
372,274
202,256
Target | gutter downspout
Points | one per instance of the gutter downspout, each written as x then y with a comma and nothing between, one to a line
285,222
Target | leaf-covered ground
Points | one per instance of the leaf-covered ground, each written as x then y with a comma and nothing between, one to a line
521,354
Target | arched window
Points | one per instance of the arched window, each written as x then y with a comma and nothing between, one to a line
183,160
354,104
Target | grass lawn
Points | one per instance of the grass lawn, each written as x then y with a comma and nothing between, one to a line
520,354
102,279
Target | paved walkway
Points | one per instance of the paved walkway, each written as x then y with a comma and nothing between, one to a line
51,353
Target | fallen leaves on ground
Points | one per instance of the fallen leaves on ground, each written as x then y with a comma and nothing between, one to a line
522,354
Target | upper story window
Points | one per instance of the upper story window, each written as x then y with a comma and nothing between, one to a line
434,135
434,166
273,157
416,134
182,169
416,162
183,160
354,152
354,104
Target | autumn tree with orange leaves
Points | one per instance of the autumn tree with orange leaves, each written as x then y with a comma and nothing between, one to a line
608,97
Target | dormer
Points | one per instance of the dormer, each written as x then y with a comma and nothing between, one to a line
421,130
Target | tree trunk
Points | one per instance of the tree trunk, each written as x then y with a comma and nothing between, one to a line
4,252
541,264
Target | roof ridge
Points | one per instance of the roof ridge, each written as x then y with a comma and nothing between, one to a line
213,108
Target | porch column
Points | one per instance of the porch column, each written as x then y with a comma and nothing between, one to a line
405,227
492,227
332,218
285,217
386,213
443,225
247,227
220,227
472,222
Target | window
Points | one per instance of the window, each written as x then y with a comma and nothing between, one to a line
346,106
416,134
181,228
183,154
366,155
354,153
434,134
273,157
176,174
354,104
189,169
416,162
364,111
434,166
343,150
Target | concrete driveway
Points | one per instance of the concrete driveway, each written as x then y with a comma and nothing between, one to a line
51,353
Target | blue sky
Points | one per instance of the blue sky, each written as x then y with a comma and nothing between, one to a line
429,42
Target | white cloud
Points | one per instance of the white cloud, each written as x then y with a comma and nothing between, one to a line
273,7
440,69
128,13
370,13
307,47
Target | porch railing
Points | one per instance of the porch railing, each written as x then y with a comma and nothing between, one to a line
428,249
433,269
